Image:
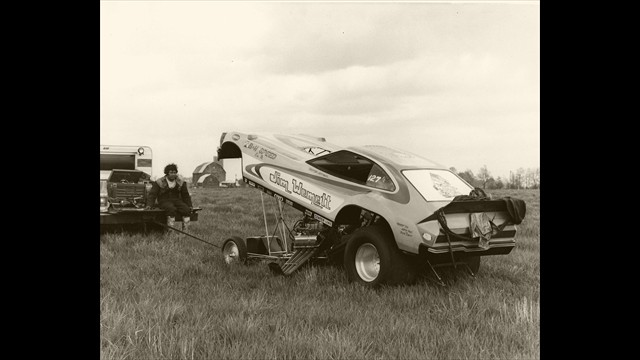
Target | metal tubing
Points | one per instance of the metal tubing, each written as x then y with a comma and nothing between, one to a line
435,273
284,224
182,232
264,213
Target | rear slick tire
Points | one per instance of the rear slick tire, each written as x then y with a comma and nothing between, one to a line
372,258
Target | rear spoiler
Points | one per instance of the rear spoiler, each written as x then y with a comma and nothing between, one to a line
516,208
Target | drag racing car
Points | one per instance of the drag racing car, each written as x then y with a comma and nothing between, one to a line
380,212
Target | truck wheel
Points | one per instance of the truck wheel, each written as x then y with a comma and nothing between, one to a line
372,258
234,250
474,263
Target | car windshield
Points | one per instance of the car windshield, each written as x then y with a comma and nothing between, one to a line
437,185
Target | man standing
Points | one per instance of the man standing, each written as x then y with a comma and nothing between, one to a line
172,195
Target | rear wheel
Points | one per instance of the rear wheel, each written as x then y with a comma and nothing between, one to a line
372,258
234,250
367,262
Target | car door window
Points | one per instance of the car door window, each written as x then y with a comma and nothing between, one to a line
355,168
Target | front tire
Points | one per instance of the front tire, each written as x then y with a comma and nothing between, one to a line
372,258
234,250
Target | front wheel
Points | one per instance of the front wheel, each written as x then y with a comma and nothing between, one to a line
234,250
372,258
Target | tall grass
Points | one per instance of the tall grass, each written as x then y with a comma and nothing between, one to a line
169,297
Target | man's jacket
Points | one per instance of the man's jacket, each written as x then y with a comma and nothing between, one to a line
160,190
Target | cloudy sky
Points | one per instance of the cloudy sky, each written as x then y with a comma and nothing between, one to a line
455,82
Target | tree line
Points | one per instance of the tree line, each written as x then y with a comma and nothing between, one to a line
519,179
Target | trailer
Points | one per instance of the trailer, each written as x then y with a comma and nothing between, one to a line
286,249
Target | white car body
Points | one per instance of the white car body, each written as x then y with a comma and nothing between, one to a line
301,171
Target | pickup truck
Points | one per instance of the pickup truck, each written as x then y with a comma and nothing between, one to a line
125,181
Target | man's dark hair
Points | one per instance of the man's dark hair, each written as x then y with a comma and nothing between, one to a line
170,167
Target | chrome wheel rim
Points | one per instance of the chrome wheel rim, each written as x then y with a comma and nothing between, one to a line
367,262
230,252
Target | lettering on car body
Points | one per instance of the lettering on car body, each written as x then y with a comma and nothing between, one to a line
294,186
276,179
404,230
259,151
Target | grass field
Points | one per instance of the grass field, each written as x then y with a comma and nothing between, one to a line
165,297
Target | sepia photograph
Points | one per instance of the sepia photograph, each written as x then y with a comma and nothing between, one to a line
319,180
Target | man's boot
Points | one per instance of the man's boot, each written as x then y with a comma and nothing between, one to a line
185,223
171,221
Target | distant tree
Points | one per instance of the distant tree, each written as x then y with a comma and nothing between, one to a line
453,170
536,178
522,179
468,176
512,183
498,183
535,182
484,175
519,178
490,184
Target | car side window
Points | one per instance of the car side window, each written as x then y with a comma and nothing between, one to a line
379,179
353,167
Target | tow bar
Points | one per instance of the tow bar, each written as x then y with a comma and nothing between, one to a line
182,232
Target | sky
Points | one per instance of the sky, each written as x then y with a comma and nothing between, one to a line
455,82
